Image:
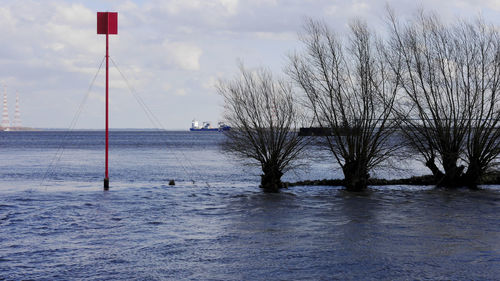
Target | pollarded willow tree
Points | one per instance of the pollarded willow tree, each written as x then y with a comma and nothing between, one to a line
450,77
351,91
264,121
479,45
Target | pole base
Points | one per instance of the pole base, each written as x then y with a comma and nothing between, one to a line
106,184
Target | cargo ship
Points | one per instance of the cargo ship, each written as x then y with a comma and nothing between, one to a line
206,126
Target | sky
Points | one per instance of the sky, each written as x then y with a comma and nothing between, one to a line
171,52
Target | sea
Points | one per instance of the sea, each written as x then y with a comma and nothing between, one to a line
215,223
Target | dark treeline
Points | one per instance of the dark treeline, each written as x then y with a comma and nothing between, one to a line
436,83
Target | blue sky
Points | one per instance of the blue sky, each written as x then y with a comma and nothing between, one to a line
172,51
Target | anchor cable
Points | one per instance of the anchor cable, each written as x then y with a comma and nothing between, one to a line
156,123
60,150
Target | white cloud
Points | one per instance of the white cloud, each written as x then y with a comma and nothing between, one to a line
166,87
210,83
494,4
478,5
331,10
230,5
359,6
185,55
181,92
276,35
100,97
6,18
75,14
169,49
175,7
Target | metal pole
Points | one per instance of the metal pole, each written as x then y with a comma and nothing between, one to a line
106,177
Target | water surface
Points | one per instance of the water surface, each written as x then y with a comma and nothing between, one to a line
215,223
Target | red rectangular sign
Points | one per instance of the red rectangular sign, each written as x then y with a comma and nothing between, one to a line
107,23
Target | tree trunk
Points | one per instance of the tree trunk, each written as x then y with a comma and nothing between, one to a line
355,176
270,180
452,173
431,164
472,177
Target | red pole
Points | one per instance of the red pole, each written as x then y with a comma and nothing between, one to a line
107,23
106,176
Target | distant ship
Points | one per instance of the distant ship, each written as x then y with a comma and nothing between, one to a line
208,127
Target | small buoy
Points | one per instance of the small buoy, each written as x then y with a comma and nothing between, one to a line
171,182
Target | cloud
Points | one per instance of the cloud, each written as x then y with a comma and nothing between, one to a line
359,7
166,87
180,6
74,14
494,4
6,18
276,35
210,83
185,55
332,10
181,92
169,50
230,5
478,5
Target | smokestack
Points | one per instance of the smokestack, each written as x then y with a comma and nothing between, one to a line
17,114
5,114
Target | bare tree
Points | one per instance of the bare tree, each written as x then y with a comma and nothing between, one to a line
351,91
479,68
264,120
449,77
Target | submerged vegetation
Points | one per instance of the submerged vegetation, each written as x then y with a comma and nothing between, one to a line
434,83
